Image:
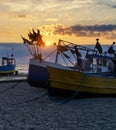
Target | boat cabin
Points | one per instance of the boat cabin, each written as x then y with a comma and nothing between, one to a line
101,63
8,61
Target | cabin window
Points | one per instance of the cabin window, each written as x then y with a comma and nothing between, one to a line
99,62
108,63
9,62
4,62
13,61
104,63
94,61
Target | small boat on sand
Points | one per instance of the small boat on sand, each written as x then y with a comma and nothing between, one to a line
7,67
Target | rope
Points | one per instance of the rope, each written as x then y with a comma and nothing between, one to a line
26,101
64,100
30,100
12,87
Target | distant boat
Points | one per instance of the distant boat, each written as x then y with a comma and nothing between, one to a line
8,66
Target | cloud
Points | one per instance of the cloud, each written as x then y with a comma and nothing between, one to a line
98,28
108,3
40,5
114,6
22,16
107,31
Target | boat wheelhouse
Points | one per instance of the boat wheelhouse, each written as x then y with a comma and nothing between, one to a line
101,63
8,66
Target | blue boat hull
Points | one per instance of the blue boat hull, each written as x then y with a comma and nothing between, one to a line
7,69
38,73
38,76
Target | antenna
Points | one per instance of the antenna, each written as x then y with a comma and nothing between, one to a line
12,55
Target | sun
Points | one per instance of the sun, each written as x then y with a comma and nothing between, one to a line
48,43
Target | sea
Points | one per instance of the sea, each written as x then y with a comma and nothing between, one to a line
22,54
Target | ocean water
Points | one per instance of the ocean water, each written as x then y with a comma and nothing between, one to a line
22,55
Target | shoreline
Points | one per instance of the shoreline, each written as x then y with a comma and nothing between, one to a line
27,108
15,78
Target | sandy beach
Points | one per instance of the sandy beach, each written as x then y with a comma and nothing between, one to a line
23,107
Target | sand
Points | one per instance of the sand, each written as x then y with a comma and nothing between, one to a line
23,107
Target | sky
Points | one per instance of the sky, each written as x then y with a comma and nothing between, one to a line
76,21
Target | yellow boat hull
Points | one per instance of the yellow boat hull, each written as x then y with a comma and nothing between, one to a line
73,81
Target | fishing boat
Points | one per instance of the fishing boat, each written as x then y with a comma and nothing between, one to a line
99,79
7,67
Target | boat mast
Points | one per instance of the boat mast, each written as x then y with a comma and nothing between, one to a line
59,43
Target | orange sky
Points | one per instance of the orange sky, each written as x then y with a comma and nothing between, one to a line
76,21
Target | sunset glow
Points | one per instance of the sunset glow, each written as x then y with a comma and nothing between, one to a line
48,44
75,21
